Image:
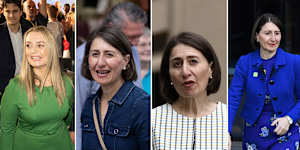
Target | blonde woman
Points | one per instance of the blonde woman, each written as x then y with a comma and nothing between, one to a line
36,105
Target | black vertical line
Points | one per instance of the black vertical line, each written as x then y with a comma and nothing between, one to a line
194,133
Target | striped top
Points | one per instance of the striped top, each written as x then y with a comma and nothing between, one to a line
171,130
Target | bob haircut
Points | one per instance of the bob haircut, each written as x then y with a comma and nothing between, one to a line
200,43
118,40
53,70
259,23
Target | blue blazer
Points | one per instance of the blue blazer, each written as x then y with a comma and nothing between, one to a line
284,87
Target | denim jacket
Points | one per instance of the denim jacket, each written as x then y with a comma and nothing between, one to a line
126,124
86,88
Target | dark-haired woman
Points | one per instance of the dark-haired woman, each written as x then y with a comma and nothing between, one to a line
190,71
270,78
119,109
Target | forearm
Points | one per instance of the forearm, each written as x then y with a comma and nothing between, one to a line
43,8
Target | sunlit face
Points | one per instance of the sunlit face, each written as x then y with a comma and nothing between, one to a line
12,14
133,31
189,71
144,48
35,50
269,37
29,8
106,63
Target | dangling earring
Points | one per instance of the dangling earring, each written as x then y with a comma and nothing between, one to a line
210,77
171,83
124,68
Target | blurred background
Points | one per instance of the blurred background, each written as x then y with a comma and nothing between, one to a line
205,17
52,2
91,13
242,15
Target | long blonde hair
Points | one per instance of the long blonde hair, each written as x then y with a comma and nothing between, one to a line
53,70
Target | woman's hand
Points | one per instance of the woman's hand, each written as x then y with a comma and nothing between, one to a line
282,125
72,135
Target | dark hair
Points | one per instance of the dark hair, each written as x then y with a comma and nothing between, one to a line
66,4
259,23
52,11
133,12
17,2
118,40
200,43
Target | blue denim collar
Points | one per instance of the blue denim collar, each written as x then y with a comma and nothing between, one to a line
280,59
122,94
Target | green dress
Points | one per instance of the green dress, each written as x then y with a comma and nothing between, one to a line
40,127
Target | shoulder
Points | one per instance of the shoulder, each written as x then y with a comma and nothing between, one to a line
68,79
69,86
14,82
140,97
221,105
290,56
221,108
140,92
163,114
13,85
162,109
133,91
88,104
246,58
291,59
3,27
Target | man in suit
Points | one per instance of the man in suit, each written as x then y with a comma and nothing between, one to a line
11,49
